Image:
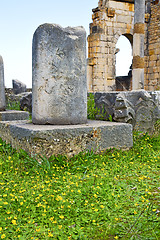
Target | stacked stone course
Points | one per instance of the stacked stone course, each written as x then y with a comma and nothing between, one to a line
152,50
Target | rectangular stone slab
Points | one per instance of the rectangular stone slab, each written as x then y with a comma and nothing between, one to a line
13,115
66,139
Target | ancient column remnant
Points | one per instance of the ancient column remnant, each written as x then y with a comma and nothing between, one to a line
59,81
138,45
2,87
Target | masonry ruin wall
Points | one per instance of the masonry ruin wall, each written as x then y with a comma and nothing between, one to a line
111,19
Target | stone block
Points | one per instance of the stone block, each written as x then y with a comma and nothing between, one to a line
138,48
97,82
111,12
101,61
66,140
139,8
119,26
137,79
156,75
153,58
114,4
96,49
59,75
157,50
151,52
110,83
126,19
125,6
129,28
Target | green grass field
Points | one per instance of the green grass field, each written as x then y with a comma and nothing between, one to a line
113,195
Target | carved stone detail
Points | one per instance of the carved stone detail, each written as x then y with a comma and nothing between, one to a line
105,103
137,108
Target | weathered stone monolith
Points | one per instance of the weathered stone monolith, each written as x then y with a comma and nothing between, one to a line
138,45
2,87
59,75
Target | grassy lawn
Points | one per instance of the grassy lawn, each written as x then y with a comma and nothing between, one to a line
114,195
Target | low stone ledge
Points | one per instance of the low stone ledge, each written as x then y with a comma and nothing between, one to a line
66,140
13,115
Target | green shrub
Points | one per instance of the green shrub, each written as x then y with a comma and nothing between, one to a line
15,105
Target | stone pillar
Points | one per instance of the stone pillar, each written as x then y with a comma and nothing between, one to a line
138,45
59,75
2,87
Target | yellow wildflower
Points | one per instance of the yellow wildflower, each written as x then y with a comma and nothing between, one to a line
14,222
50,235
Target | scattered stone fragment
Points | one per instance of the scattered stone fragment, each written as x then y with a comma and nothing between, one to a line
18,87
26,102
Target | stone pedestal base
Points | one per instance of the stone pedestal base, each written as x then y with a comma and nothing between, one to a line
66,140
13,115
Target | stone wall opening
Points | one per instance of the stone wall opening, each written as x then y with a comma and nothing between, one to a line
124,62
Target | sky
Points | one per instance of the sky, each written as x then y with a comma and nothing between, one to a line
20,18
123,57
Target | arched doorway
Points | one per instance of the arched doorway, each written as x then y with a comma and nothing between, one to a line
123,62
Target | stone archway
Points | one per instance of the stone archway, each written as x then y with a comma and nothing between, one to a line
124,57
129,37
111,19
